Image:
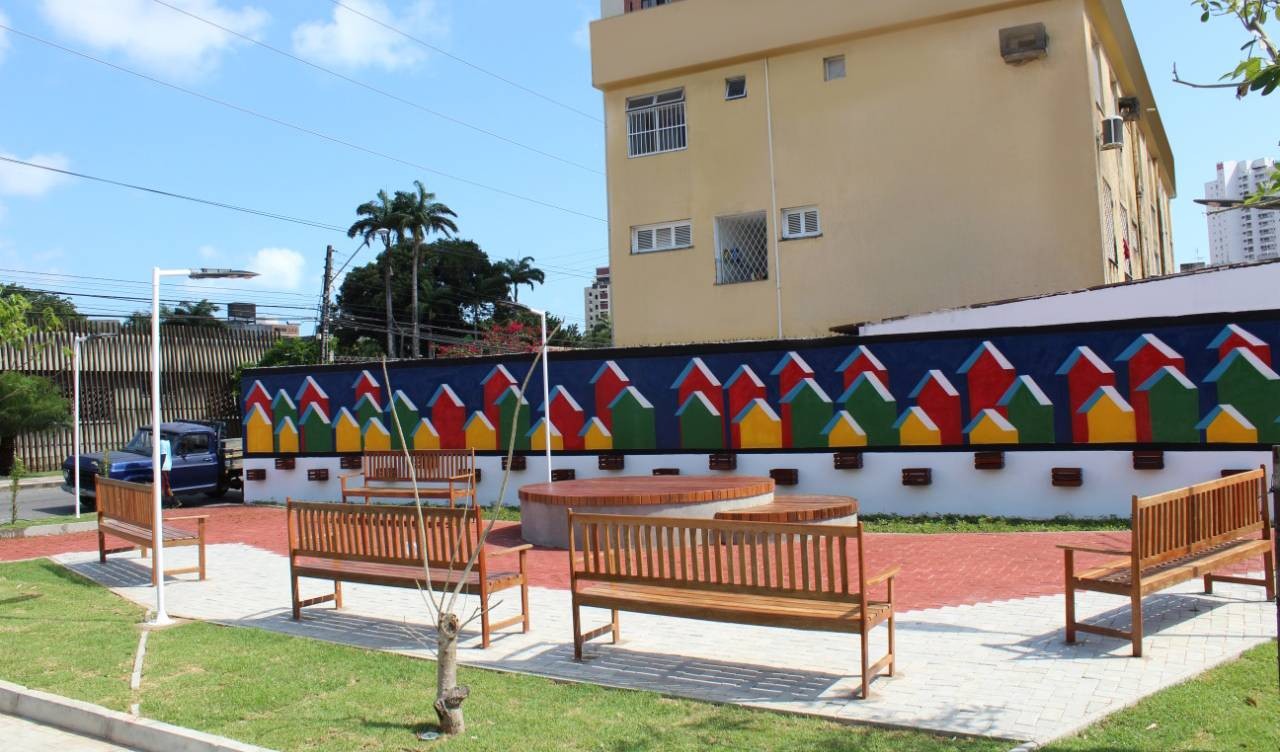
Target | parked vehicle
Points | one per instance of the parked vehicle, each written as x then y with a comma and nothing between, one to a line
203,461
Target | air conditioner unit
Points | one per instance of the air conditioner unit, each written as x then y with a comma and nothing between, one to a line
1112,133
1129,108
1022,44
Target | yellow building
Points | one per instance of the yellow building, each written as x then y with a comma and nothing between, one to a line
778,173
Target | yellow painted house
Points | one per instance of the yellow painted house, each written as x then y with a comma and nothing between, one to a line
916,428
596,436
425,436
480,433
287,437
1224,424
758,426
538,437
844,431
376,436
1110,418
990,427
258,432
346,433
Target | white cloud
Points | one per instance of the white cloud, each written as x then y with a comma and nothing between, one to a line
352,41
20,180
582,35
208,252
278,268
158,37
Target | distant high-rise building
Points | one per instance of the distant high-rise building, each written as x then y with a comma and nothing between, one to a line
597,298
1238,235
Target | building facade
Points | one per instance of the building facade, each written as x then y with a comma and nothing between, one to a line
1239,235
597,299
775,174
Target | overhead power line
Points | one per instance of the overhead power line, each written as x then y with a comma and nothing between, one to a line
379,91
463,61
301,128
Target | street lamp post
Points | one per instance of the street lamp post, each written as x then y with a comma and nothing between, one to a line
546,384
157,516
76,343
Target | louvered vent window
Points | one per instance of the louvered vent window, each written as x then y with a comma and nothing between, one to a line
667,236
801,222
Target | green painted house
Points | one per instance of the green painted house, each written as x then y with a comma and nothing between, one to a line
806,411
634,426
873,408
701,426
1030,411
512,405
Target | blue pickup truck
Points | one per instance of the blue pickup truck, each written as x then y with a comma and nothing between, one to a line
203,461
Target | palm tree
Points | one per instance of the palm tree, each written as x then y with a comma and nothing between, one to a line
421,215
380,218
521,272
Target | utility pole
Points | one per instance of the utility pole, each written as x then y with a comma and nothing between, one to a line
326,351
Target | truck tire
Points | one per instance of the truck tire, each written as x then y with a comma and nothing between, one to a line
218,492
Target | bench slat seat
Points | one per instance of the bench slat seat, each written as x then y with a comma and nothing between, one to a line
143,536
402,575
1189,567
125,512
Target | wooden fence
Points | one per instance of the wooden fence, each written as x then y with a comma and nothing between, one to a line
115,382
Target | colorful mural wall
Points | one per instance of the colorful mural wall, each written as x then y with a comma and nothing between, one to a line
1168,382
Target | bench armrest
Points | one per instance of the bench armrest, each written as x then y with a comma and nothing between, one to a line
512,550
887,574
187,517
1094,549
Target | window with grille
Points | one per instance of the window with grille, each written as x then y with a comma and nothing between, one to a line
667,236
1109,222
801,222
742,248
655,123
735,88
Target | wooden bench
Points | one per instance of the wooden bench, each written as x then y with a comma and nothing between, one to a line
125,511
779,575
385,545
448,474
1177,536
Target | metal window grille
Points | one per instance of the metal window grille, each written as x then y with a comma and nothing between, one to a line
656,123
1109,222
742,248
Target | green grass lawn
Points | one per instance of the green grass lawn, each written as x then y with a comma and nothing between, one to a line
957,523
85,516
67,635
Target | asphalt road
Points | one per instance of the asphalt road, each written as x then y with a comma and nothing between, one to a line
34,503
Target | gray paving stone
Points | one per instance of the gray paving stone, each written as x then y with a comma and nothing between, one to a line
19,734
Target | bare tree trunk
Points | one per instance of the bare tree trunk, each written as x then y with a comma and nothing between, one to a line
386,281
449,695
417,259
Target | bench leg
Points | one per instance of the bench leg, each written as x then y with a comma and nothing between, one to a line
1208,584
143,552
1136,631
484,622
866,662
524,601
1070,591
1269,573
617,631
297,608
337,594
577,632
893,650
201,551
102,547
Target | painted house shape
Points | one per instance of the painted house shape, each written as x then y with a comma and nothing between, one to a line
1248,384
258,432
990,427
1109,418
310,394
742,387
376,436
567,415
403,416
448,415
512,406
936,395
495,384
806,411
286,437
425,436
366,409
607,383
479,433
1225,425
791,370
537,436
844,431
283,407
758,426
1143,357
634,425
366,384
1086,373
916,428
861,361
701,424
988,374
1029,410
698,378
258,395
1166,407
873,408
346,432
316,433
595,436
1232,336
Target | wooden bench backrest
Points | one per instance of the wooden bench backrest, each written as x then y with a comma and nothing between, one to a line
1188,520
811,561
127,502
428,464
383,534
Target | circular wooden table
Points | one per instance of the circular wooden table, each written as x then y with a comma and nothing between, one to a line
544,506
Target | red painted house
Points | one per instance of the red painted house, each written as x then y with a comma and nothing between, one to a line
449,416
567,416
258,395
310,394
1086,373
364,384
1144,356
697,377
791,370
940,400
495,384
1233,336
988,374
608,383
743,387
862,361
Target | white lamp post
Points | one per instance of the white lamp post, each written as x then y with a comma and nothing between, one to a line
157,515
79,340
546,384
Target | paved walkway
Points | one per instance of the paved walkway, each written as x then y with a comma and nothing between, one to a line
995,668
20,734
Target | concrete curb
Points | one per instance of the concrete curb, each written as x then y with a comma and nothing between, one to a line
94,721
49,481
37,531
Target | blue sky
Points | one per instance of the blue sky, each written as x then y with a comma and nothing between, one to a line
69,112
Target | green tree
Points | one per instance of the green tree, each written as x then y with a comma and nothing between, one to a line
45,306
27,403
601,335
201,313
421,215
379,219
521,272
